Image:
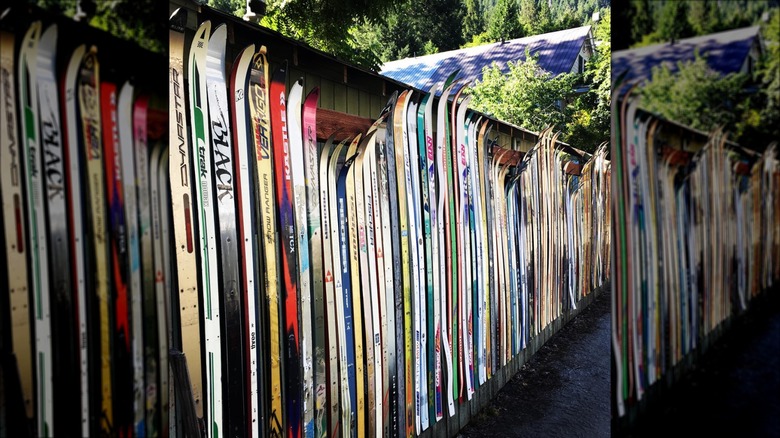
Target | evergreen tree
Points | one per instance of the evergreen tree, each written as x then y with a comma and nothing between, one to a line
544,22
673,23
504,22
529,14
642,19
473,20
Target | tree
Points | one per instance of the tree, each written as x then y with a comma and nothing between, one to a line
673,24
134,20
504,22
642,22
526,95
591,119
768,100
473,20
326,24
699,17
696,96
528,15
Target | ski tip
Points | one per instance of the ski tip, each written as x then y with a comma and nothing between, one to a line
178,19
314,93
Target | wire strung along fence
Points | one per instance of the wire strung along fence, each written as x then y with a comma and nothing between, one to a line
696,228
271,267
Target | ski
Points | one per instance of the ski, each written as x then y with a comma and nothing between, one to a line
170,415
117,229
431,216
371,285
361,277
415,243
36,226
464,253
246,231
333,346
354,276
284,199
234,400
160,424
97,251
206,246
428,345
314,230
445,244
344,324
384,258
189,383
59,299
397,383
74,185
401,142
133,258
295,137
261,132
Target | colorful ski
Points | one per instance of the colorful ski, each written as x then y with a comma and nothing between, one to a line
344,324
122,354
133,258
284,199
261,132
354,275
312,175
295,138
397,383
445,244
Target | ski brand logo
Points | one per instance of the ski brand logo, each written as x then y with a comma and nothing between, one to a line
286,148
54,178
313,153
429,144
177,103
9,120
263,149
91,124
223,172
115,139
267,193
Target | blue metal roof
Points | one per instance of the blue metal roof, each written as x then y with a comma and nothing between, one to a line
725,53
557,53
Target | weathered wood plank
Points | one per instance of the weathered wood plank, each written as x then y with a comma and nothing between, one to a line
345,125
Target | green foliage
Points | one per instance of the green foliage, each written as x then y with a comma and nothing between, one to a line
696,96
473,19
530,97
504,22
654,21
768,101
325,24
134,20
526,95
673,24
642,19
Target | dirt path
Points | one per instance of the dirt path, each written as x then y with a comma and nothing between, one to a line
563,391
